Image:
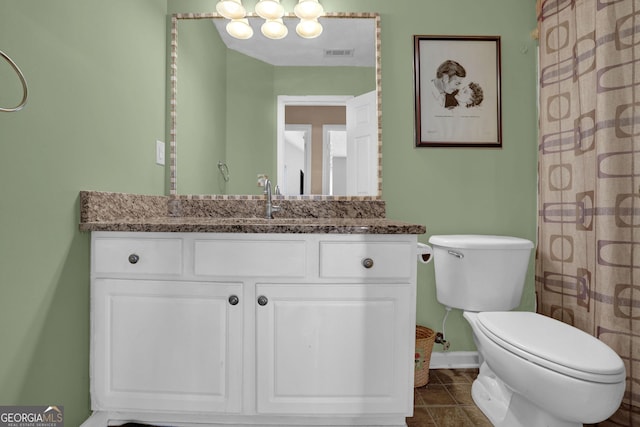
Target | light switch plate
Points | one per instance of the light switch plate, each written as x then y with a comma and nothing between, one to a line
159,152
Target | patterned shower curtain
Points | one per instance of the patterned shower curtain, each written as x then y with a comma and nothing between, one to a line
588,255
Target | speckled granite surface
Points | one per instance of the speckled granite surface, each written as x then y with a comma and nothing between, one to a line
98,206
105,211
288,208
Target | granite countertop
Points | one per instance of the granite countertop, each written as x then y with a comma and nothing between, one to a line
257,225
101,211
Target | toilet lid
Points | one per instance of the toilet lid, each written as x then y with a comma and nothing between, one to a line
479,241
553,344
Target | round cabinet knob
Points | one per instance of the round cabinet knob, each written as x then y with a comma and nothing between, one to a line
234,300
262,300
133,258
367,263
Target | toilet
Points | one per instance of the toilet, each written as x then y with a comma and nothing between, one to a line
534,370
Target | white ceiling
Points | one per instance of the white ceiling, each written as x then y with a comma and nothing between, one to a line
338,34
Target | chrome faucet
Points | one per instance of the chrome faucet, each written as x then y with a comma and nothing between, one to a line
269,207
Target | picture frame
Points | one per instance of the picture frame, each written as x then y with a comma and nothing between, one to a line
457,91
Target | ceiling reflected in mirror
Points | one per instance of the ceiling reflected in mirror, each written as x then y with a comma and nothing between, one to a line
345,43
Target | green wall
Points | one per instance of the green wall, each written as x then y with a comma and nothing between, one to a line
201,107
324,80
96,72
251,122
96,75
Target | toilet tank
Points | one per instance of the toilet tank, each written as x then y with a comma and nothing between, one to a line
480,273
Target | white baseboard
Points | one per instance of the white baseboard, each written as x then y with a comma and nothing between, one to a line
454,359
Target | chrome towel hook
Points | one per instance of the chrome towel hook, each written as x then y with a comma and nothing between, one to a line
224,170
22,80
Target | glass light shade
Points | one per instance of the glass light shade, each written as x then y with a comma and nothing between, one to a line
308,9
269,9
274,29
231,9
240,28
309,28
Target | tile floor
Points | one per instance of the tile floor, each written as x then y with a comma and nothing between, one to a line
446,401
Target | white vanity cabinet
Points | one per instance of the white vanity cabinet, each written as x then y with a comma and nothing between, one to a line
269,329
161,341
332,349
163,345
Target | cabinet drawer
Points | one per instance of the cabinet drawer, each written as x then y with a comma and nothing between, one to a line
137,256
366,260
250,258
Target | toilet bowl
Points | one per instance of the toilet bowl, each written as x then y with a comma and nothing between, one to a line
535,371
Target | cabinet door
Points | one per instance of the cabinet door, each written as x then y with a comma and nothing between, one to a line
335,349
166,346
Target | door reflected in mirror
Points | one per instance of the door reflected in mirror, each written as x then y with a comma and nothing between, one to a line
334,164
297,168
228,99
328,145
297,160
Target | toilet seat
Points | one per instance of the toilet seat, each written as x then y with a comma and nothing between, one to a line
553,345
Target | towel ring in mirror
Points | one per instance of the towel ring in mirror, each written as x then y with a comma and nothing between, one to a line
224,170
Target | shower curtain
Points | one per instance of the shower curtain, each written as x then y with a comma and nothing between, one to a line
588,255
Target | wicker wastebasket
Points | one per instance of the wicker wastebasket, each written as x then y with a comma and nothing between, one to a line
425,338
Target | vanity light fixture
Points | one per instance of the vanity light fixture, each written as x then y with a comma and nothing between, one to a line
308,9
231,9
240,29
272,12
274,29
269,9
309,28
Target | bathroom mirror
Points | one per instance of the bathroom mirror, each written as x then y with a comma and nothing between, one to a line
241,109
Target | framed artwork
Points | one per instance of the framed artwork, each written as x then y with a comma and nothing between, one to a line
457,91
